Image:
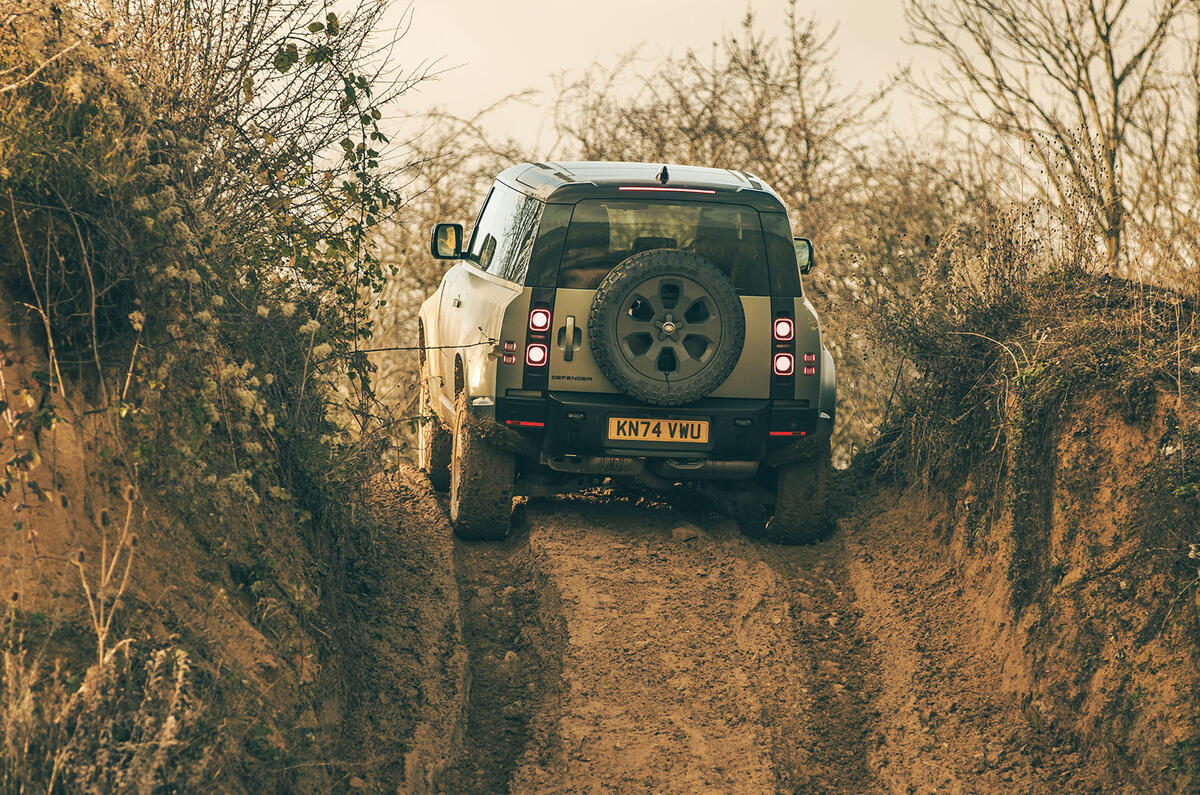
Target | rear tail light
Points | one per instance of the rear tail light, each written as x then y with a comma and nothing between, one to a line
809,358
783,364
539,319
810,370
783,329
535,355
509,358
510,345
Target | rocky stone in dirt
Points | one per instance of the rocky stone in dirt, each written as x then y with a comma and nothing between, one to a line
687,532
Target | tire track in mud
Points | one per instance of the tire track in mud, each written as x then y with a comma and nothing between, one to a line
839,677
513,632
683,667
625,647
663,639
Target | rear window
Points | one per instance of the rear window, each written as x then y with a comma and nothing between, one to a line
604,232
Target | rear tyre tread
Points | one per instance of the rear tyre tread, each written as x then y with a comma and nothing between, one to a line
434,443
801,500
481,482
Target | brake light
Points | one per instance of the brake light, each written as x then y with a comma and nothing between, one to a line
783,364
644,189
810,358
810,370
525,423
784,329
509,358
535,355
510,345
539,319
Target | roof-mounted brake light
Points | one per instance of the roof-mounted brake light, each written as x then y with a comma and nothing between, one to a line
649,189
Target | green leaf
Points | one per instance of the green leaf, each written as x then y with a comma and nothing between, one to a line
316,27
316,55
286,57
331,21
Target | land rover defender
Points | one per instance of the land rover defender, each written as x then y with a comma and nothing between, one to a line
625,321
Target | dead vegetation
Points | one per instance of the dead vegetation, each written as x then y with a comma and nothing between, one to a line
186,201
201,248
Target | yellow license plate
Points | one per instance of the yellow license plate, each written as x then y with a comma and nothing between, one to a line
629,429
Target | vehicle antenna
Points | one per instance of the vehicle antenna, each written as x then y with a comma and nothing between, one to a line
663,176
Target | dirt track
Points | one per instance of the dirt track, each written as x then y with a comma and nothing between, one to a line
634,648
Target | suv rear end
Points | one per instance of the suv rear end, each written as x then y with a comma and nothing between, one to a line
656,329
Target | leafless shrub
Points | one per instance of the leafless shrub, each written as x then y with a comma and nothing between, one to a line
1080,85
957,335
455,161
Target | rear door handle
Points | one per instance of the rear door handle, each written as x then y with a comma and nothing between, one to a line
569,339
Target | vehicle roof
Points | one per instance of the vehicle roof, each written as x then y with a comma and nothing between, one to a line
569,182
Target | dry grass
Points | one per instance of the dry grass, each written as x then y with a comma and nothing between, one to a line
124,727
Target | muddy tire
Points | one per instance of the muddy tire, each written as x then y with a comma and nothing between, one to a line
666,327
433,440
801,498
481,482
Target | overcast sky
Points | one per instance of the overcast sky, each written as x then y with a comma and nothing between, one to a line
492,48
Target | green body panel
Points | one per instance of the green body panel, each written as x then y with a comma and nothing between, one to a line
581,373
751,376
808,339
494,309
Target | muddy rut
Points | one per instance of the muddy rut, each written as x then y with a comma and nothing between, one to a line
618,646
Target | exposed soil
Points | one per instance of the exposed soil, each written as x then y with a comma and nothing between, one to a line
655,649
951,717
403,660
513,634
615,644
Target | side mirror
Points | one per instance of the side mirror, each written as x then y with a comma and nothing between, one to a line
447,241
804,253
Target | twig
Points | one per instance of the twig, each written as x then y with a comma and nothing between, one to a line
33,285
29,77
1007,350
427,347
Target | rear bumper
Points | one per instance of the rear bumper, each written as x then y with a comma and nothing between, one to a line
576,423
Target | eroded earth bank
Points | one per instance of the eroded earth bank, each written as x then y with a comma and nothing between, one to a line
640,648
1031,627
632,645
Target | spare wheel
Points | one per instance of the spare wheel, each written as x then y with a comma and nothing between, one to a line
666,327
